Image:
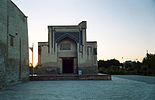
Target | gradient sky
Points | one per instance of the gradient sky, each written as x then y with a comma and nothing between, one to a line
122,28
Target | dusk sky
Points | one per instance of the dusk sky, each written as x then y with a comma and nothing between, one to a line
122,28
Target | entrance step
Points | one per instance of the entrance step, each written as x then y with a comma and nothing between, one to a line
69,77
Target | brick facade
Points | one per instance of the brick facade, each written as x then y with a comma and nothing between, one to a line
13,44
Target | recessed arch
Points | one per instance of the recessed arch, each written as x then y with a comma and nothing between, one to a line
67,55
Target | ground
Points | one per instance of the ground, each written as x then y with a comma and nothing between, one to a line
126,87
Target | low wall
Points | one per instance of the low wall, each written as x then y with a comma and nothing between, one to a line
71,77
89,70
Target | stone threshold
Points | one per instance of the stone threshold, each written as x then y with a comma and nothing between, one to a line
69,77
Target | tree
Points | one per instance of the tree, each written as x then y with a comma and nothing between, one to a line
111,66
149,64
108,63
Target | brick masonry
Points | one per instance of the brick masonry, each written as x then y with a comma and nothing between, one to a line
13,57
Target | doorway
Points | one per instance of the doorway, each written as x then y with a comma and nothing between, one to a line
67,65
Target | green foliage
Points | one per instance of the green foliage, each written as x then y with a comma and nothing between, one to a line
149,64
147,67
111,66
108,63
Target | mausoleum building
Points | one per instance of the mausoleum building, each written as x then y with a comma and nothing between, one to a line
67,51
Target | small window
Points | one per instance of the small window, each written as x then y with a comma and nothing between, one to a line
11,40
95,51
39,50
89,50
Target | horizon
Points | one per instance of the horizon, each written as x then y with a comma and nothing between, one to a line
122,29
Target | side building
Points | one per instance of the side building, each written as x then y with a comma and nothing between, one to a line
13,44
67,51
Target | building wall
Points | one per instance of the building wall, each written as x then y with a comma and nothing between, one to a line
3,42
14,40
89,64
47,63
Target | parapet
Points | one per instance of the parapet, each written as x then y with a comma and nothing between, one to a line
83,25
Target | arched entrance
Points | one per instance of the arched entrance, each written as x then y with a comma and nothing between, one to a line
67,55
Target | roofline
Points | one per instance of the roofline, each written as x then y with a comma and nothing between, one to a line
91,41
63,25
18,9
42,42
68,25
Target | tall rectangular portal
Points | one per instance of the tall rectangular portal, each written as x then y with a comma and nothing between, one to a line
67,65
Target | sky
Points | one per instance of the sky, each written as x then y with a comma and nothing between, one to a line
123,29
